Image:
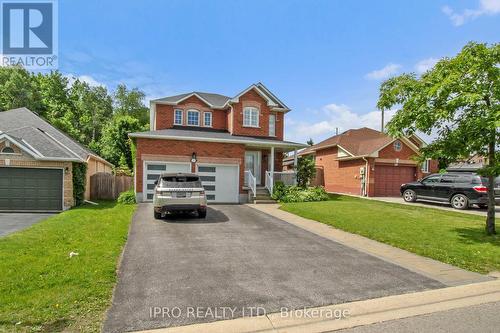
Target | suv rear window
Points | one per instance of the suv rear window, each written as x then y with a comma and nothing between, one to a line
180,182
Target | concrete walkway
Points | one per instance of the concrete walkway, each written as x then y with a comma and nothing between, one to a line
444,273
354,314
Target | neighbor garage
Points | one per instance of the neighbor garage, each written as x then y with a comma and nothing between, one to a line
388,179
31,189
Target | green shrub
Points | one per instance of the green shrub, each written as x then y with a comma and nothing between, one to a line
284,193
79,182
279,190
127,197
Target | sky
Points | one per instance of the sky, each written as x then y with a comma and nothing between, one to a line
324,59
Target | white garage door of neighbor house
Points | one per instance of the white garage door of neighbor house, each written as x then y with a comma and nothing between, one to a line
221,182
152,171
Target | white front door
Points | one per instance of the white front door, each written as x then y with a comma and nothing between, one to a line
252,163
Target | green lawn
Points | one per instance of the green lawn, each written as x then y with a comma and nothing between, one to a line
452,237
42,289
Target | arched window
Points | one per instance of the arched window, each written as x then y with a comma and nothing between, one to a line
8,150
250,117
397,145
193,117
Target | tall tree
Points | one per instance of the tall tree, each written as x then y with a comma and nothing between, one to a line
93,109
17,89
310,142
458,99
115,143
130,103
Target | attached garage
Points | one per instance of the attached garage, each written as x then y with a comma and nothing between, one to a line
221,182
388,179
31,189
153,170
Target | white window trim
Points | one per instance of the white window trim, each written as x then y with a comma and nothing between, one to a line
187,117
251,109
182,116
5,153
211,119
274,125
426,166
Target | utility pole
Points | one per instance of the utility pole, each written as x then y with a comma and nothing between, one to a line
382,125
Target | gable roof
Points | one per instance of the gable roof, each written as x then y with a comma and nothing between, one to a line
357,142
213,100
218,101
47,142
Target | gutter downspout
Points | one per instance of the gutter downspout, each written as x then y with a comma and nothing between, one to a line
365,179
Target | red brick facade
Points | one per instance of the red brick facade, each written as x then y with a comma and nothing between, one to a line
165,114
225,119
180,151
344,176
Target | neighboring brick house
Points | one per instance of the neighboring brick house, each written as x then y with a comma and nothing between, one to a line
36,164
367,162
229,141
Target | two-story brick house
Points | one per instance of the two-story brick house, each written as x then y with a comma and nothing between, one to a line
231,142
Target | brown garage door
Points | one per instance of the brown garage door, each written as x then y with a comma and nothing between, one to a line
388,179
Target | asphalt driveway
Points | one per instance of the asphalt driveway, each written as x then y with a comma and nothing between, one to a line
12,222
239,262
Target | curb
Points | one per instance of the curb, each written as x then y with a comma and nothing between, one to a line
358,313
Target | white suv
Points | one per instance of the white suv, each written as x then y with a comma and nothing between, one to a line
179,192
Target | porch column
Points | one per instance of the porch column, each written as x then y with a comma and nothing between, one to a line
295,159
295,166
272,162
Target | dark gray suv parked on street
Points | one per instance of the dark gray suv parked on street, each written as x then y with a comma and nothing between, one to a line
460,189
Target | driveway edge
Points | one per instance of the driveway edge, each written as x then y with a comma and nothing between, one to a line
447,274
358,313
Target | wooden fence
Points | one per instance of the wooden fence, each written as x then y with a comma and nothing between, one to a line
105,186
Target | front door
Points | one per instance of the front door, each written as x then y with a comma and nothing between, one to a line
252,163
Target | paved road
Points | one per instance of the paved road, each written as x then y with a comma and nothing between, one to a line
239,258
12,222
482,318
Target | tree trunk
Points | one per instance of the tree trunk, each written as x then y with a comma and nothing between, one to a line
490,218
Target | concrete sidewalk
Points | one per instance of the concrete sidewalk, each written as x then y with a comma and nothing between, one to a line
444,273
354,314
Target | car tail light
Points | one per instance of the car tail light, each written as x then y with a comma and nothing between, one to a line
202,193
481,189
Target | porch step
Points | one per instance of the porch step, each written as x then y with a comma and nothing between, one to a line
270,201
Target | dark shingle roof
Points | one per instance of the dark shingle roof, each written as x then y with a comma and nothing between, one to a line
220,136
215,100
42,136
359,142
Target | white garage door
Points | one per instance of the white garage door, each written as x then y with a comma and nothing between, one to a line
152,171
221,182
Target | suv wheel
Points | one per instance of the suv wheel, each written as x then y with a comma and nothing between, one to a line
409,196
460,201
202,213
157,215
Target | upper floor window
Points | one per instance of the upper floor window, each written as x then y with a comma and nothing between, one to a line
193,118
398,145
178,117
251,117
207,119
272,125
8,150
